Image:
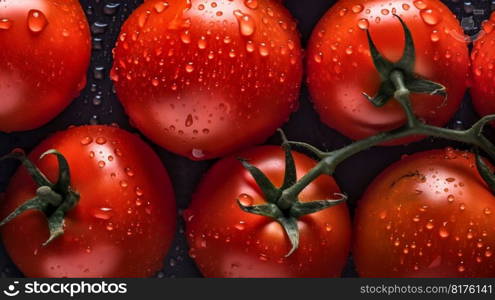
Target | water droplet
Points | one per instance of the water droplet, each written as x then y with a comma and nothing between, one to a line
435,36
5,24
160,6
240,226
197,153
104,213
110,9
101,164
36,21
487,211
328,227
450,198
139,191
357,8
143,18
263,50
190,67
429,225
246,23
419,4
430,16
86,141
245,199
101,140
363,24
488,253
109,226
443,233
252,4
461,268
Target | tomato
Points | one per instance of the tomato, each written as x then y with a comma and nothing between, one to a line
122,225
45,54
340,67
428,215
225,241
206,78
483,59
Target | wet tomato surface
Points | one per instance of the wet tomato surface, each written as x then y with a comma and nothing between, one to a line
428,215
45,54
205,78
122,225
483,62
228,242
340,67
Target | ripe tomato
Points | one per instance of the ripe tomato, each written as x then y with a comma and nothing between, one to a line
340,67
206,78
483,60
225,241
428,215
122,225
45,54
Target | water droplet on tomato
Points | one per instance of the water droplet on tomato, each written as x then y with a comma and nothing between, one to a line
139,191
357,8
328,227
101,164
363,24
101,140
405,6
36,21
429,225
419,4
143,18
450,198
252,4
430,16
86,141
435,36
240,226
190,67
245,199
5,24
443,233
103,213
246,23
161,6
487,211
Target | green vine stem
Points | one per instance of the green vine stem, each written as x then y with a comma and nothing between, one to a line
398,81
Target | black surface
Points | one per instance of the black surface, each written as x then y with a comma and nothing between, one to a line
98,104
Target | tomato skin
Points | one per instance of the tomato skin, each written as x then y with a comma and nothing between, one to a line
197,86
130,240
340,67
482,57
40,73
438,196
227,242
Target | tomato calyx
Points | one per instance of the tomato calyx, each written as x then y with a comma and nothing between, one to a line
405,65
54,200
284,209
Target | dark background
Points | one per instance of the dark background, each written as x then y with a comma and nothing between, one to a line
98,104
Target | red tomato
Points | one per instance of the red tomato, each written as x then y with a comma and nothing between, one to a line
204,79
228,242
428,215
45,54
340,67
483,60
125,219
